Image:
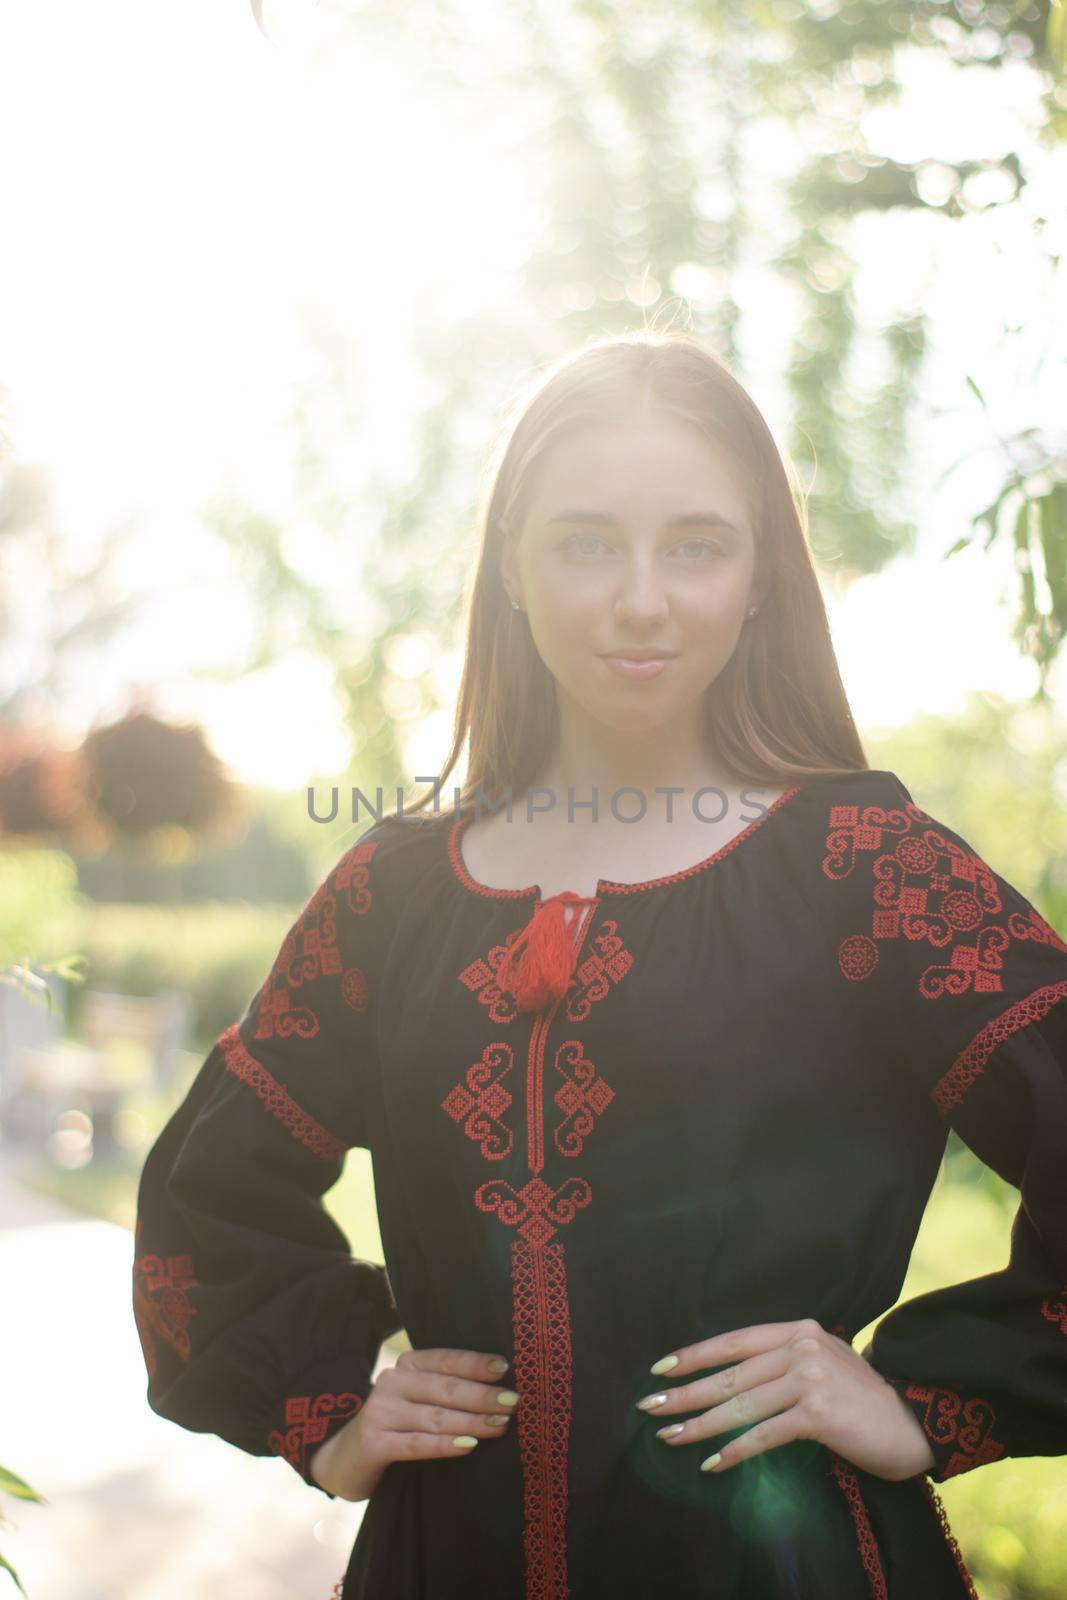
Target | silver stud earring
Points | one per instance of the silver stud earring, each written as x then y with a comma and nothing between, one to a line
752,610
515,606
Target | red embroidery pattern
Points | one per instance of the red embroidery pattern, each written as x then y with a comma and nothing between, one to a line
931,890
170,1314
310,952
307,1418
607,962
319,1140
1054,1308
868,1545
582,1097
953,1085
480,979
536,1211
543,1372
927,888
950,1419
481,1102
354,990
934,1498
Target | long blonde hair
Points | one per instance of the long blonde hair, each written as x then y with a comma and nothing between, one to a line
778,710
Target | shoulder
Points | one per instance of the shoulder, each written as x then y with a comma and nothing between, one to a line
390,855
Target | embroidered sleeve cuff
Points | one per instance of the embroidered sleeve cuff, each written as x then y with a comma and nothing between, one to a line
958,1427
316,1404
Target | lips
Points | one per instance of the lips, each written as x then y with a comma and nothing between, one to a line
639,655
637,667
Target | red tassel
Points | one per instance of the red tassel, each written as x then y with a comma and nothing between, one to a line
543,971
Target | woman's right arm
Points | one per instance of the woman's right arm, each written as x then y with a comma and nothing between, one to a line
255,1321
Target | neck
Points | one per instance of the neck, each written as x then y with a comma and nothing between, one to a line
589,756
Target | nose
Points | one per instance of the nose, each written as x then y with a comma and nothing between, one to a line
641,596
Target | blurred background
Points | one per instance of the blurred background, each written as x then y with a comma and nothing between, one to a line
270,273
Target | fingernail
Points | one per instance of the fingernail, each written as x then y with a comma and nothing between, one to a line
464,1440
706,1466
498,1364
507,1397
498,1422
669,1433
650,1401
664,1366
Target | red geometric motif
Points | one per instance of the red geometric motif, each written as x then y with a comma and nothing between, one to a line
543,1363
1054,1307
480,979
278,1101
606,962
966,1423
845,1474
306,1420
168,1315
603,966
480,1102
310,951
953,1084
931,890
581,1097
536,1211
925,888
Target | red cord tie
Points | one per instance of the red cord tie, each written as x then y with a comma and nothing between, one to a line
543,971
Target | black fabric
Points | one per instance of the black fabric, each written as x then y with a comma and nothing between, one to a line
735,1115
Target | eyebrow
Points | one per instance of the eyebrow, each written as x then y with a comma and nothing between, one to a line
688,519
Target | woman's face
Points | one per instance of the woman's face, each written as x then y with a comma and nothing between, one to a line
638,537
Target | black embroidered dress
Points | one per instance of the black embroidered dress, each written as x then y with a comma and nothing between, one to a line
733,1114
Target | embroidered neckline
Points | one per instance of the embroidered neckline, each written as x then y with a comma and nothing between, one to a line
606,886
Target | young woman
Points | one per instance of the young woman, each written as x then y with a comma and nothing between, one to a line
656,1095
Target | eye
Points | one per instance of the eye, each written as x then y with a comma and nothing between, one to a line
701,547
577,539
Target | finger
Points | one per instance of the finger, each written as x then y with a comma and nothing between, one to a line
427,1446
458,1394
768,1435
704,1392
734,1345
457,1363
441,1419
751,1406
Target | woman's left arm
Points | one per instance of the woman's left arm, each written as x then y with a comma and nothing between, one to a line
983,1363
971,983
959,986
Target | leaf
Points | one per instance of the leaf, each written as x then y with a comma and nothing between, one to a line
975,390
5,1567
961,544
11,1483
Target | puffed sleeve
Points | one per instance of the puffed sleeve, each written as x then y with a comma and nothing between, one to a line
965,984
256,1322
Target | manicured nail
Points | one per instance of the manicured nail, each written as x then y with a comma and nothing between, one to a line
498,1364
706,1466
464,1440
664,1366
669,1433
507,1397
498,1422
650,1401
